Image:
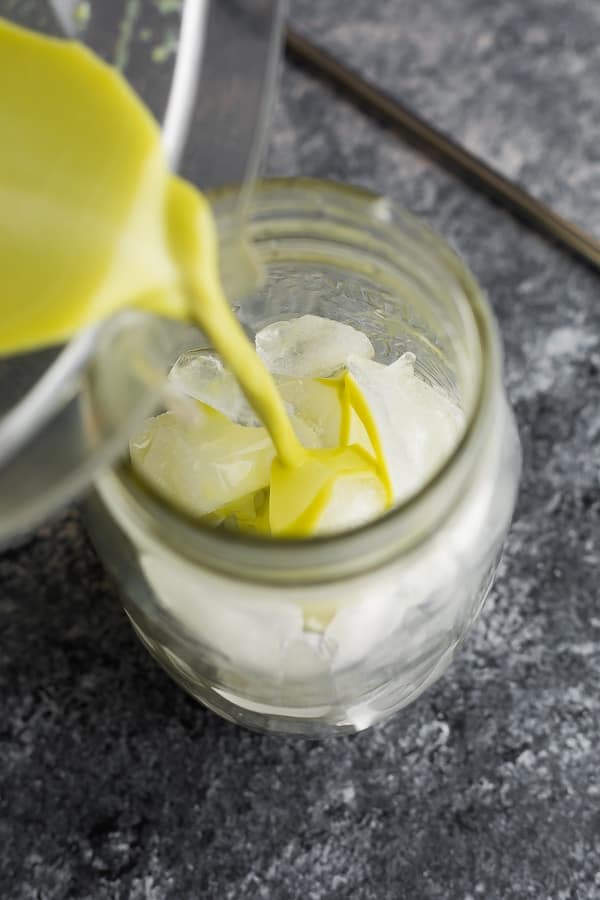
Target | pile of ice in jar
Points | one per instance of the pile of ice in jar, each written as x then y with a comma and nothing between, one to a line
212,457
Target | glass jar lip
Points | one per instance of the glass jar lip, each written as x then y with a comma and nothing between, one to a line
321,558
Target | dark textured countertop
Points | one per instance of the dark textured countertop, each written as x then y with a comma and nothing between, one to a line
114,784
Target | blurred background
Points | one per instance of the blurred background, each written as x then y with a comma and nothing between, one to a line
515,83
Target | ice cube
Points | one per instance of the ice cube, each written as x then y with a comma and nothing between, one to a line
315,407
415,426
201,374
361,628
310,346
355,499
205,465
404,365
305,432
307,661
254,630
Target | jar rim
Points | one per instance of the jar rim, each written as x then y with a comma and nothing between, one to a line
333,556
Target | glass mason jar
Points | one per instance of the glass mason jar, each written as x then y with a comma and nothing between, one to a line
332,634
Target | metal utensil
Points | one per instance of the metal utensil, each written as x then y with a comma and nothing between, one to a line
444,149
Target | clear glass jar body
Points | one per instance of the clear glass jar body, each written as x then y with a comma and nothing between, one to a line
333,634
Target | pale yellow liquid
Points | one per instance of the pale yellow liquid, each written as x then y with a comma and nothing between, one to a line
92,221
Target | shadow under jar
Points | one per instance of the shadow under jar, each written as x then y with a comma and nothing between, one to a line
329,635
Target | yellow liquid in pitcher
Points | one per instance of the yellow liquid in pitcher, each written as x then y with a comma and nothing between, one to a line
91,221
